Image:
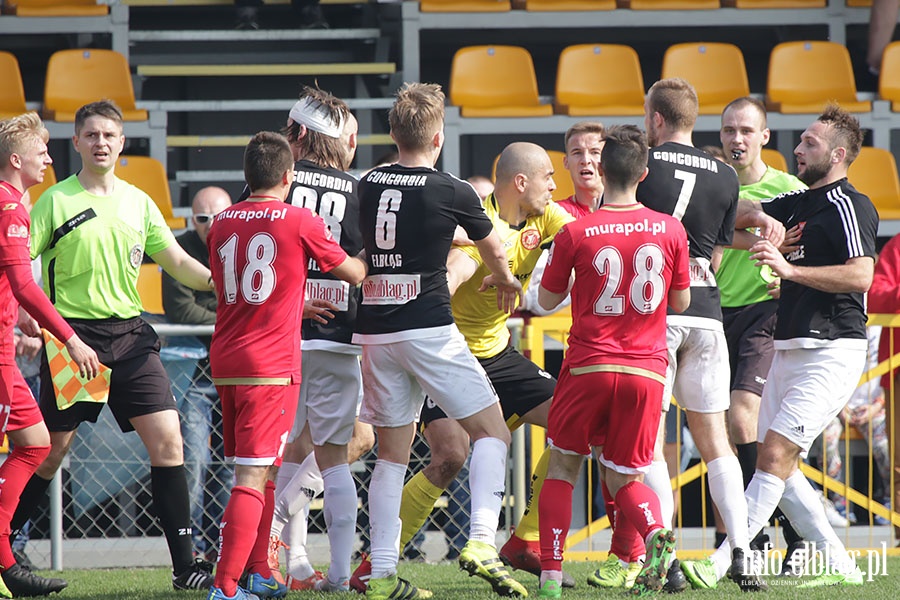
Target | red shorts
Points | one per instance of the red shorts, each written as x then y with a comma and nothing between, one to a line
618,411
18,406
256,421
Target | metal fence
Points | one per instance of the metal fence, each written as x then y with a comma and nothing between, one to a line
99,511
860,486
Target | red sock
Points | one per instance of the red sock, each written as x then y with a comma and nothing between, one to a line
626,542
15,472
239,526
639,504
259,557
555,516
610,504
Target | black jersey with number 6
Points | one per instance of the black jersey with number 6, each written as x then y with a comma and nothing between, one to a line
702,193
407,218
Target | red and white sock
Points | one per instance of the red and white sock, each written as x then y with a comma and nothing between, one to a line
555,516
240,525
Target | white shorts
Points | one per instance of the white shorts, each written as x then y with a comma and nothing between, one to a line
330,393
806,389
396,377
698,374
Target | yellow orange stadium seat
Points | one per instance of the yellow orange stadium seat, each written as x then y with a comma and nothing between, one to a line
669,4
56,8
35,191
565,5
889,81
774,3
149,175
774,159
12,92
76,77
805,76
599,79
874,173
464,5
717,71
495,81
149,286
859,3
564,185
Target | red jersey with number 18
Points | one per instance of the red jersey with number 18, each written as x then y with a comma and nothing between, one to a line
626,258
258,256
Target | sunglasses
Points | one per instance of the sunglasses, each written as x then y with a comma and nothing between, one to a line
203,219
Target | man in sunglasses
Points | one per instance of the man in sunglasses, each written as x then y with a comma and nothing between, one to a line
201,416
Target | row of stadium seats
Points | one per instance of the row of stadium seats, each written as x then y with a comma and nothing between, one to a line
584,5
606,79
143,172
55,8
64,87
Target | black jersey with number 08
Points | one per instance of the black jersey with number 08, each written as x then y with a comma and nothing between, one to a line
702,193
331,194
407,218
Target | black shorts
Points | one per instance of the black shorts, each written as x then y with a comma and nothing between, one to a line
749,330
520,384
139,384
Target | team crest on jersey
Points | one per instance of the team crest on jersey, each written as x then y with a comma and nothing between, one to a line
17,231
136,255
531,239
10,206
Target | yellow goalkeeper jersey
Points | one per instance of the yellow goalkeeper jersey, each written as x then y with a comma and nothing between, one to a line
476,313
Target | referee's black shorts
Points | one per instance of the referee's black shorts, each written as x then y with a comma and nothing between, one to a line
520,384
748,331
139,384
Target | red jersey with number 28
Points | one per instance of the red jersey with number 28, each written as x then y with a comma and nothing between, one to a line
626,258
258,256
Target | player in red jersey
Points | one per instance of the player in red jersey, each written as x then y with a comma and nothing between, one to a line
23,160
584,143
259,251
629,263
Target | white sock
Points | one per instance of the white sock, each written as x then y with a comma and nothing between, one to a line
286,472
385,492
802,507
297,560
726,484
340,519
487,480
657,479
763,494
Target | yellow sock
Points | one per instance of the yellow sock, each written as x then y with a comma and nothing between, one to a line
419,496
527,529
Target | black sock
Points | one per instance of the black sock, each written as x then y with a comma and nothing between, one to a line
746,454
168,485
790,534
721,536
31,497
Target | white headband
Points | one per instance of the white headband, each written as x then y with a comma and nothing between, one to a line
316,117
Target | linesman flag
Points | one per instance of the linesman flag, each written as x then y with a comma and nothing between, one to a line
68,386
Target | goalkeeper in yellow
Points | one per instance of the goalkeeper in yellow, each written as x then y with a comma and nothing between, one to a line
526,219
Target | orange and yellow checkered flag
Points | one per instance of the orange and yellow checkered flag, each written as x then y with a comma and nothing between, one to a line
68,385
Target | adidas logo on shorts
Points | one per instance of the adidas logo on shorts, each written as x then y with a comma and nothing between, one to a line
798,429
